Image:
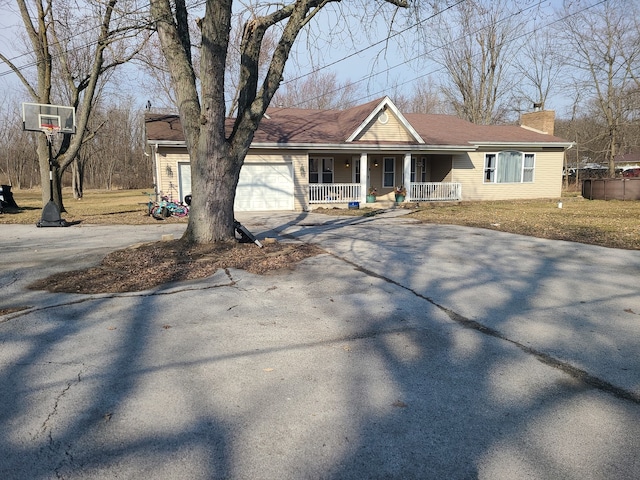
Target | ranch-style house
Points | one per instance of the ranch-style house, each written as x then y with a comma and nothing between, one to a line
303,159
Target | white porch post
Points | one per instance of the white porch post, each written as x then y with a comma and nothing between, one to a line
364,177
406,174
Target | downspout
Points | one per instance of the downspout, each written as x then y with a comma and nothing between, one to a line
156,170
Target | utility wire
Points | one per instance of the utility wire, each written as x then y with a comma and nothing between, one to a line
438,69
352,54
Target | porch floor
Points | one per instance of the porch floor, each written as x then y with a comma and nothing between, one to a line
378,204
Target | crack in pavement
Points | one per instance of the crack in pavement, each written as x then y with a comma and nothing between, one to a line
45,428
30,310
571,370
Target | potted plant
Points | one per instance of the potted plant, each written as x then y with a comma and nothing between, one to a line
371,196
401,193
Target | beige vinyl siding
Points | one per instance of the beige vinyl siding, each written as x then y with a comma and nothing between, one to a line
440,168
392,131
168,158
342,173
547,178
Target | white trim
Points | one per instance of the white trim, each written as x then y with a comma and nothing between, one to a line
406,172
371,147
156,168
565,145
497,166
168,143
359,147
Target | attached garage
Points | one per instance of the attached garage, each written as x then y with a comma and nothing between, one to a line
373,145
262,186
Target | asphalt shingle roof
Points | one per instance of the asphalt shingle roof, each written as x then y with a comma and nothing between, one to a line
327,127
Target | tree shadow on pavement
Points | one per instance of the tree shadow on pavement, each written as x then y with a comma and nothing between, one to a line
357,364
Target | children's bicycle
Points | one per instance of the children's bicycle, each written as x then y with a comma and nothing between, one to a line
165,208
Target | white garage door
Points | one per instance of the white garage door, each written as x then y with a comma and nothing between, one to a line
261,186
265,187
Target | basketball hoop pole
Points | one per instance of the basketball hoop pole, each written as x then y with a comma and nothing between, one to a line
51,212
50,148
49,119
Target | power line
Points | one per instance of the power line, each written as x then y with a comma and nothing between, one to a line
439,69
373,45
144,25
199,3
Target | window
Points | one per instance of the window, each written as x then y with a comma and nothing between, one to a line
509,167
320,170
527,175
389,173
413,169
490,167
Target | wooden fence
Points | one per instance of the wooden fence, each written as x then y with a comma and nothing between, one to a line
611,189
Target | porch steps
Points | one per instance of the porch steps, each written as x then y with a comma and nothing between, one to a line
385,204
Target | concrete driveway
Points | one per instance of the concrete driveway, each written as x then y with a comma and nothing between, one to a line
406,351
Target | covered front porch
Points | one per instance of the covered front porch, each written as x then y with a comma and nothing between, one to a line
338,179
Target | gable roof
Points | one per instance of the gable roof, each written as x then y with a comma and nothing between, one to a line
381,109
305,128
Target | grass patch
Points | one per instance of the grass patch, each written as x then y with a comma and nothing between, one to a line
610,223
124,207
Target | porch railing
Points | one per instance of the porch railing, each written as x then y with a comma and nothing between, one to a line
334,192
350,192
435,191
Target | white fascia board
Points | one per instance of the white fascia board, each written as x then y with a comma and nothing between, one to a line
358,147
353,147
386,102
167,143
565,145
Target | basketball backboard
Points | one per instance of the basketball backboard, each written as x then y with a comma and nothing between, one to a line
39,117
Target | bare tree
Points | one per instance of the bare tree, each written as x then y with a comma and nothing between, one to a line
69,66
114,156
156,79
18,157
473,42
319,91
424,98
539,66
605,45
217,154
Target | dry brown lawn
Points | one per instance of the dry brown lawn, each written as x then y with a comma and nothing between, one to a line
612,224
116,207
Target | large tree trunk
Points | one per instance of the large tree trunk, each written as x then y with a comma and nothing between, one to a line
214,177
216,154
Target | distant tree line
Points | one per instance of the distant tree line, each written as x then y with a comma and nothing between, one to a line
485,61
112,157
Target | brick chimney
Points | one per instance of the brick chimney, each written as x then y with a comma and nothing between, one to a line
540,120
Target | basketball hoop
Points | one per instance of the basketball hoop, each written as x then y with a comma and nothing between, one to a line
50,130
49,119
